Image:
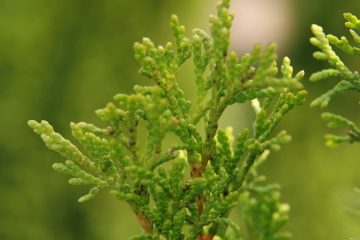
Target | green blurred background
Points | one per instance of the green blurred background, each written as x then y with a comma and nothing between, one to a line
62,59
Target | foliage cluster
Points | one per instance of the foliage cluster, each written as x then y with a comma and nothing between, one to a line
187,191
349,80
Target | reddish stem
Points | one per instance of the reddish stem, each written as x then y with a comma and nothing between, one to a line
144,222
204,237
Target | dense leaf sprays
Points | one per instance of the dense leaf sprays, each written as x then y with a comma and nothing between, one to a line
208,171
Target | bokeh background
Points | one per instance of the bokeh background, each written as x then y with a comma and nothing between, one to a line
62,59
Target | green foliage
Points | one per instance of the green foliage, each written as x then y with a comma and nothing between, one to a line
187,191
349,80
262,209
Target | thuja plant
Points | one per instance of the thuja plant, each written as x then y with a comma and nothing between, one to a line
349,80
187,190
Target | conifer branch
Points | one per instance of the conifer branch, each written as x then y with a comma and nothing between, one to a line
205,177
349,80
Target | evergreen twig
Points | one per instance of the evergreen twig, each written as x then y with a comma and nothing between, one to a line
206,176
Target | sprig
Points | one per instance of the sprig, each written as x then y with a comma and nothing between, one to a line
348,80
207,172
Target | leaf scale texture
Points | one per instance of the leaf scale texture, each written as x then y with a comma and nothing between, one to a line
187,191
